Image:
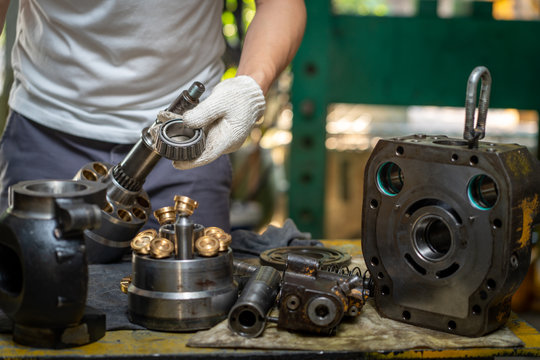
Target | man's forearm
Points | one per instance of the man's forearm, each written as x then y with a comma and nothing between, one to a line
272,39
4,4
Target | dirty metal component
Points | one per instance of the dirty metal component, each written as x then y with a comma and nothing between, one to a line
325,256
181,295
207,246
243,268
248,315
452,223
165,215
315,300
128,206
43,268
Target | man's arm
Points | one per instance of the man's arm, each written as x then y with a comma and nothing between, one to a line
234,105
4,4
272,39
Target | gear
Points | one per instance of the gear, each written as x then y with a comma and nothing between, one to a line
177,142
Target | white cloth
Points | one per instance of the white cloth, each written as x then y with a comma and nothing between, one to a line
102,69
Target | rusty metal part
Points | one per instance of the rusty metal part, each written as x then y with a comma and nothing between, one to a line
43,267
315,300
128,207
207,246
452,223
248,315
181,295
184,205
325,256
161,248
165,215
124,284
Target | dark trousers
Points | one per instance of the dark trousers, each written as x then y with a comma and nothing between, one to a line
29,151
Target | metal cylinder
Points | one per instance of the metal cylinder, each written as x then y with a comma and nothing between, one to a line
248,315
181,295
183,228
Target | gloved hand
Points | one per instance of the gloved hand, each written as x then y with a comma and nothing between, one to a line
227,117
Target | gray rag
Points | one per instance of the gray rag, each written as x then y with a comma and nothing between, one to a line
250,244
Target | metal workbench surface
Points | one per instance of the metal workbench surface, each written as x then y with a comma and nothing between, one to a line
143,344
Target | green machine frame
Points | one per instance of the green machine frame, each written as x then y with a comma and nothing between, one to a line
421,60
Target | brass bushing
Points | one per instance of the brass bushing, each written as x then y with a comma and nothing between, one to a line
184,205
161,248
124,284
165,215
209,231
207,246
141,243
224,240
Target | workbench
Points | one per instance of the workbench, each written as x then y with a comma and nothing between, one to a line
150,344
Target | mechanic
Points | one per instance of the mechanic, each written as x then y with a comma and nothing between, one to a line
90,75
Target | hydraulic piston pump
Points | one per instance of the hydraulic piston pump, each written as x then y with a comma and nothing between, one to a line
447,224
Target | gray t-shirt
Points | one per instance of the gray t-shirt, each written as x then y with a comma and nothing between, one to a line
102,69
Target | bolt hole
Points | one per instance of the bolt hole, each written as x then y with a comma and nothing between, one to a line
380,275
473,160
452,325
497,223
385,290
476,310
455,157
406,315
374,261
373,204
400,150
491,284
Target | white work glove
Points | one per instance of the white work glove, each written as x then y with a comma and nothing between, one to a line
227,117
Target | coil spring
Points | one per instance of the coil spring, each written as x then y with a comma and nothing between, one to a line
367,281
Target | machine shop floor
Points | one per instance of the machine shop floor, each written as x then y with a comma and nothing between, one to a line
151,344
